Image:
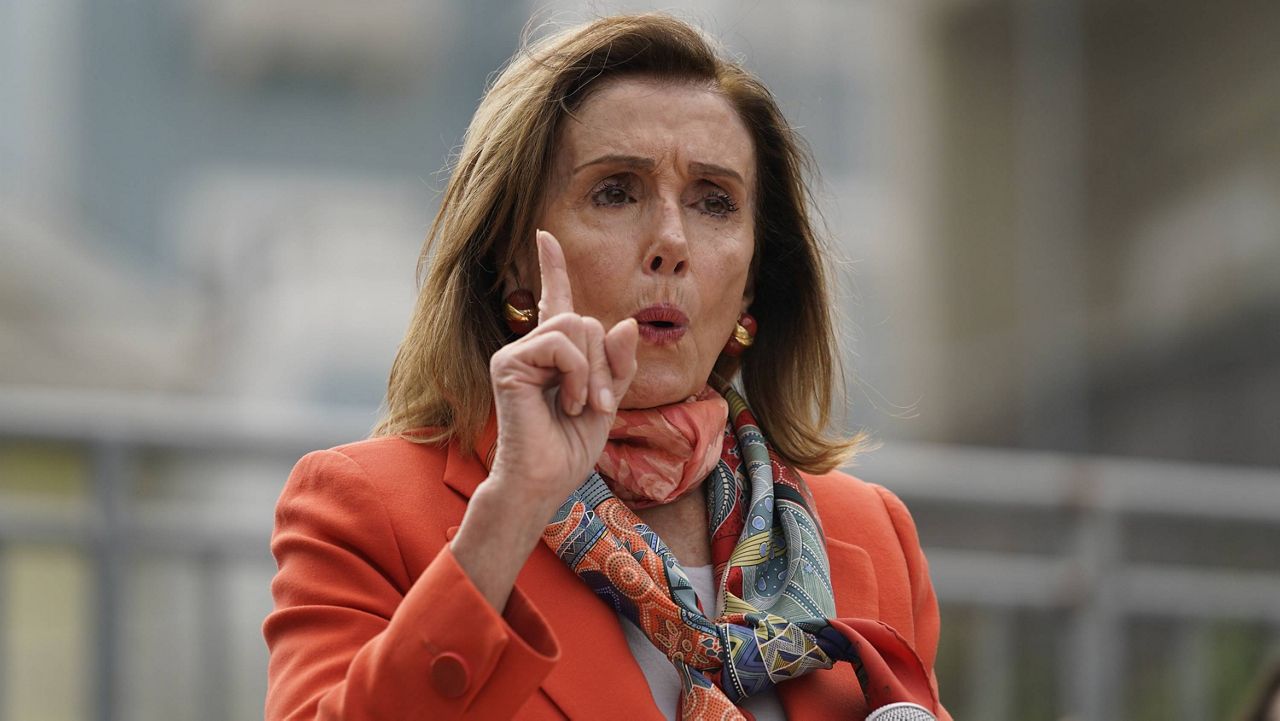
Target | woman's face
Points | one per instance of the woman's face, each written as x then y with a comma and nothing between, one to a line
652,200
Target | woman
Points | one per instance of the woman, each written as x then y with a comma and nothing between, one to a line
649,194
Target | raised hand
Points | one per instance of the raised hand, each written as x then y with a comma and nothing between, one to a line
556,391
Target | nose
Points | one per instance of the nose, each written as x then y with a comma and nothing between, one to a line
668,252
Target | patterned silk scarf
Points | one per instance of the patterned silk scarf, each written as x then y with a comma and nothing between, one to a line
771,564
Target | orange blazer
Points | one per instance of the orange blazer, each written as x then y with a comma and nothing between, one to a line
375,619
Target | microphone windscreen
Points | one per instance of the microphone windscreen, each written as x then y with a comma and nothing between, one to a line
901,712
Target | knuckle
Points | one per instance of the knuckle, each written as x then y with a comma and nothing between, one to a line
502,375
505,382
560,321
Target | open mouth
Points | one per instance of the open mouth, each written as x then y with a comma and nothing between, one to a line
662,324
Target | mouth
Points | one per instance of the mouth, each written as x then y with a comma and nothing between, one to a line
662,324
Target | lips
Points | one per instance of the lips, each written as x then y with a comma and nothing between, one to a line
662,324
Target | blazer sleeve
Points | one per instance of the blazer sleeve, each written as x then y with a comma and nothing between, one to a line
924,603
353,637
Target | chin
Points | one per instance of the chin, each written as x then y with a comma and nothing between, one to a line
668,376
650,390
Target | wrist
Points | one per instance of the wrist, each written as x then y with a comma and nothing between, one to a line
523,512
495,539
518,495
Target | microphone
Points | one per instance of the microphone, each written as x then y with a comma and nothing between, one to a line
901,712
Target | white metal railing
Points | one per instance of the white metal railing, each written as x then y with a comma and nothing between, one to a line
1090,580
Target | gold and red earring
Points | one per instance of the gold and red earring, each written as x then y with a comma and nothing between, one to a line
520,311
744,334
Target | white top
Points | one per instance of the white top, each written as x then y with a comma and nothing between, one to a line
663,680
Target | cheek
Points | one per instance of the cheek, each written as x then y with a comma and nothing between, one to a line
597,276
722,298
732,267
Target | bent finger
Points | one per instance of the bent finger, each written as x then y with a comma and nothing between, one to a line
556,351
574,327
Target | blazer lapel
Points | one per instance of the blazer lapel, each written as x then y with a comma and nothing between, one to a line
853,579
597,676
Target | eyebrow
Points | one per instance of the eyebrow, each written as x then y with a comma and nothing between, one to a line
640,163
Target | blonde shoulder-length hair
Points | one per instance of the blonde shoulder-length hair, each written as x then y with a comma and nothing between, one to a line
439,385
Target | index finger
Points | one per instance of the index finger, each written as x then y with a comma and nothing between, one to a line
557,293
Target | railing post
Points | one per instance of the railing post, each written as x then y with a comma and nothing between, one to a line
1095,662
992,653
1097,643
215,653
1191,651
110,464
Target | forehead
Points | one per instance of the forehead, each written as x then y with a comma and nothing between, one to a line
663,120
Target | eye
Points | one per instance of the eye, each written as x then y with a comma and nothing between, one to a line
612,192
717,203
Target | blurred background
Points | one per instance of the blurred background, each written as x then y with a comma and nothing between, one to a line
1058,230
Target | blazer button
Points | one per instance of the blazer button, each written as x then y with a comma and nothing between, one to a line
449,674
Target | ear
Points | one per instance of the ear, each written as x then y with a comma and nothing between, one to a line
510,281
522,272
748,295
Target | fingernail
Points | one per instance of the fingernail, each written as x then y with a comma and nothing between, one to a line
606,400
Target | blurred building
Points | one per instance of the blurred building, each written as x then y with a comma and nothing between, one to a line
1111,178
1060,223
1057,228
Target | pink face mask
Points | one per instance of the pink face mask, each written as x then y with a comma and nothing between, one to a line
656,455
